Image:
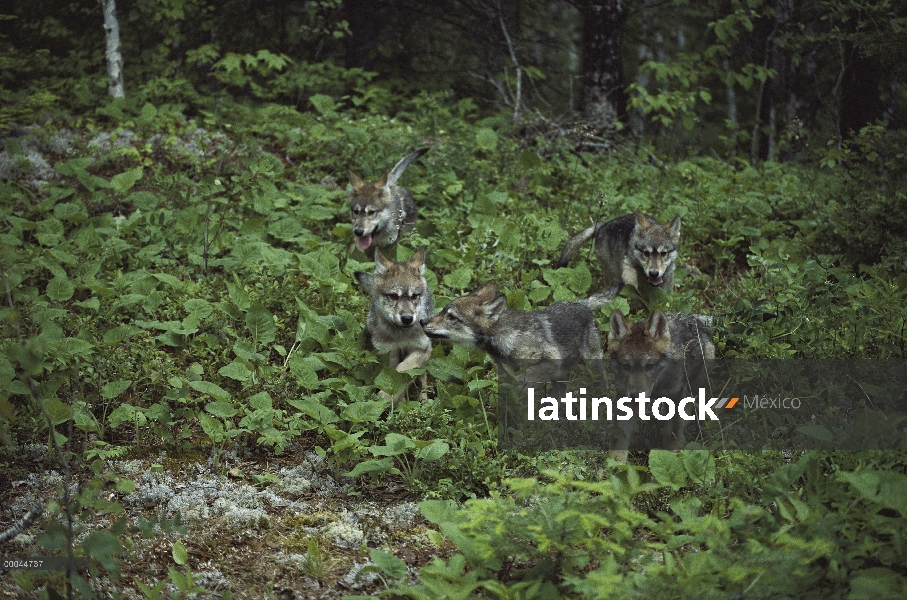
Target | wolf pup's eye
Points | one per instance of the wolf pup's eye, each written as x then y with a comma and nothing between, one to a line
393,297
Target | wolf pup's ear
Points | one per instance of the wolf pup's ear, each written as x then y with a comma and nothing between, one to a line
358,184
495,307
620,327
382,182
657,326
487,292
418,260
641,220
673,229
382,264
366,281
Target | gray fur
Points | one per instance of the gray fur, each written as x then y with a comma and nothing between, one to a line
553,338
659,356
400,300
382,211
631,249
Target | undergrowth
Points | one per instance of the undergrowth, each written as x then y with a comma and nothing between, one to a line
186,281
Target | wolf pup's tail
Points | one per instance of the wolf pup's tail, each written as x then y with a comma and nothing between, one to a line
398,169
596,301
573,244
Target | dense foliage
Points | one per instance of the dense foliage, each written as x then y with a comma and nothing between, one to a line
177,275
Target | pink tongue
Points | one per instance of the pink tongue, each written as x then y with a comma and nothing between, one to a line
658,281
365,241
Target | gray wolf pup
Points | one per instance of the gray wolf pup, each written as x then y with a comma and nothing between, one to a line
381,211
659,356
548,341
631,248
400,301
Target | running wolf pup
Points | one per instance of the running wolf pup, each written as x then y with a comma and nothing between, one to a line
381,211
659,356
400,300
552,338
631,248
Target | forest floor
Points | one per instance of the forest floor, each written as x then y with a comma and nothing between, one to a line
249,522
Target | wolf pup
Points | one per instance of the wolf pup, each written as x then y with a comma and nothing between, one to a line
631,248
381,211
552,338
659,356
400,301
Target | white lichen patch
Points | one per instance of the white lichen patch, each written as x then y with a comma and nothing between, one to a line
403,515
344,533
356,579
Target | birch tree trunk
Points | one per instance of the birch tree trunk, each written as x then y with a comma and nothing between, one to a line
114,57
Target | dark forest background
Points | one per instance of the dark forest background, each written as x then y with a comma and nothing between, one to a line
750,79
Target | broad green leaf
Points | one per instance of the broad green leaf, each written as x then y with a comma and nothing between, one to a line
384,465
445,369
73,211
323,104
459,278
887,488
877,583
539,294
260,323
213,428
314,409
239,296
433,451
115,388
667,468
60,289
236,370
212,389
261,401
126,413
168,279
486,139
391,381
222,409
301,368
700,465
364,412
92,304
123,182
59,411
83,419
145,201
388,563
312,325
180,554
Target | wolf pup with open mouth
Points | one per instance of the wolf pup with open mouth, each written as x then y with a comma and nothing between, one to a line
381,211
630,249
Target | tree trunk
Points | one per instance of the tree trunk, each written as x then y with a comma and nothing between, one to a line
364,20
861,97
114,57
603,81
